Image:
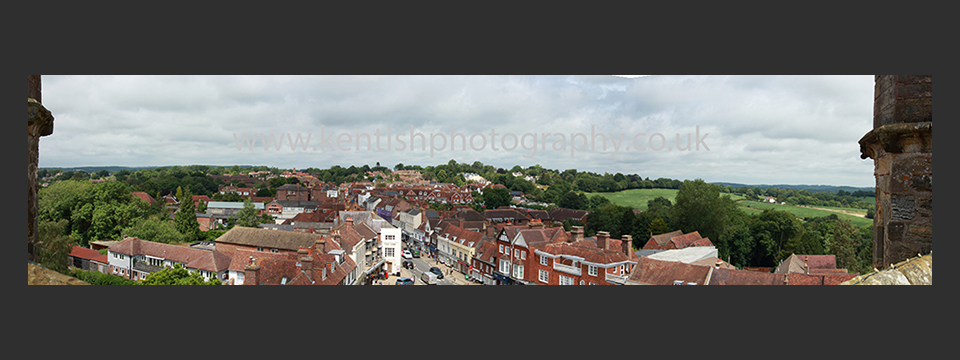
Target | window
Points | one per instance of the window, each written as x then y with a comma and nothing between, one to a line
518,271
388,252
543,260
564,280
501,248
581,282
274,250
259,249
516,253
592,270
389,237
543,276
523,255
504,266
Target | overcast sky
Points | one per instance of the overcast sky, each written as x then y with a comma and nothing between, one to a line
745,129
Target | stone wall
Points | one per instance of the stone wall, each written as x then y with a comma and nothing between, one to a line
901,145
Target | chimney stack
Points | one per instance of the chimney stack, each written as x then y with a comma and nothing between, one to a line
320,244
306,262
350,221
535,224
602,237
250,273
577,232
626,244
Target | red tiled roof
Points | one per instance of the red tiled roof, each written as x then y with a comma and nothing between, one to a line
214,261
84,253
241,258
741,277
658,241
145,197
657,272
682,241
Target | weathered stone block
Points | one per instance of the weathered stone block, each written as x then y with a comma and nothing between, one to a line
918,271
901,207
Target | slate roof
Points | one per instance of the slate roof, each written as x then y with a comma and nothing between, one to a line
560,214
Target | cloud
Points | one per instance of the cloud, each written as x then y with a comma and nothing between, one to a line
759,129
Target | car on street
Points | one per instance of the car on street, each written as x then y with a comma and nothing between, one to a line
405,281
408,264
407,254
437,271
416,253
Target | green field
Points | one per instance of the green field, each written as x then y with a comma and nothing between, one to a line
753,207
638,198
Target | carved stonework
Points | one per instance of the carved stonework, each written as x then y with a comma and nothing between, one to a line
901,146
39,123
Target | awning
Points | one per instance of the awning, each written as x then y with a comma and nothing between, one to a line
501,277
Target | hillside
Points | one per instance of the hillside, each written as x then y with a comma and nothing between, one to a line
818,188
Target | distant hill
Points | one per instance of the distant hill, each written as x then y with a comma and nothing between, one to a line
113,169
93,169
819,188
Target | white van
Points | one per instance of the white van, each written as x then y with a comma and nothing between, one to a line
429,278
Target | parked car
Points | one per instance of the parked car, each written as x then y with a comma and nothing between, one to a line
405,281
408,265
437,271
407,254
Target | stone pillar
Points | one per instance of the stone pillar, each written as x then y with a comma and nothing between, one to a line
901,146
39,123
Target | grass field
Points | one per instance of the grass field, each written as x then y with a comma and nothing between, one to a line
752,207
638,198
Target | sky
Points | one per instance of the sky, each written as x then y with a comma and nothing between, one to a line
744,129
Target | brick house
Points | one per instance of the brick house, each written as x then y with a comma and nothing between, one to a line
578,261
293,192
515,249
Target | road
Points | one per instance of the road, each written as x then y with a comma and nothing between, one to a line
423,264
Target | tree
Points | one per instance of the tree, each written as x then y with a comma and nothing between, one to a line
156,230
699,207
772,230
54,245
247,216
571,200
186,219
177,275
494,197
658,226
846,240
